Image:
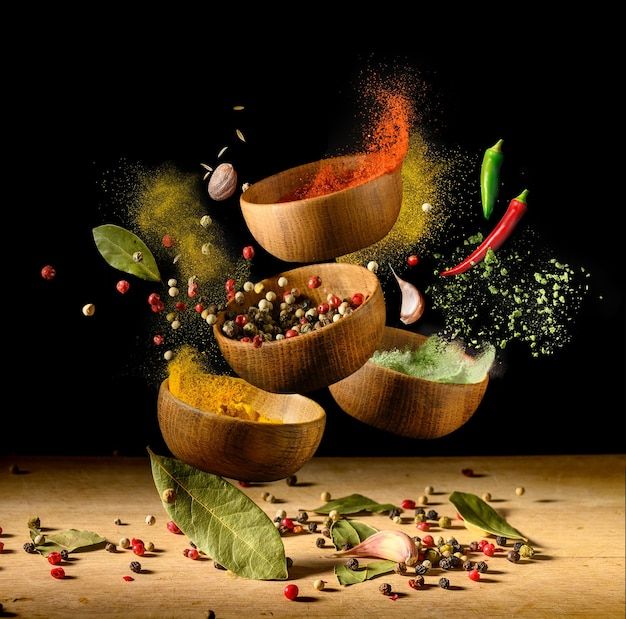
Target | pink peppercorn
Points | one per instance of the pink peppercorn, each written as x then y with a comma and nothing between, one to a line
181,306
423,526
48,272
57,572
428,541
128,578
408,504
257,341
241,320
54,558
245,340
122,286
139,549
291,592
287,523
193,554
230,285
323,308
158,340
314,281
489,550
474,575
334,302
291,333
248,252
172,527
482,544
167,241
199,308
357,299
412,260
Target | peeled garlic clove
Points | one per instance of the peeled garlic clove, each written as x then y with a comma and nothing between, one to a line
413,303
392,545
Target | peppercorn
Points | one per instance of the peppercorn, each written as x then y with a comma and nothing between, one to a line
281,513
352,564
135,566
325,497
517,546
482,567
217,566
432,515
420,511
444,583
292,480
302,517
385,588
520,491
419,518
474,575
468,472
110,547
283,530
417,582
445,522
487,496
39,539
29,547
513,556
423,500
289,562
125,543
500,540
421,569
34,522
326,532
65,555
455,562
393,513
320,542
468,566
526,551
474,546
445,563
313,527
319,585
117,522
150,546
400,569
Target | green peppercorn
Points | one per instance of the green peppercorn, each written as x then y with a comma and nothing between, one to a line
526,551
135,566
320,542
513,556
419,518
385,588
444,583
352,564
445,522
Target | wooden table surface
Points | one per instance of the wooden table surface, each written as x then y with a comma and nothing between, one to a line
573,511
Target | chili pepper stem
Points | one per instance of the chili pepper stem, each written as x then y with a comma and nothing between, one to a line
497,147
522,196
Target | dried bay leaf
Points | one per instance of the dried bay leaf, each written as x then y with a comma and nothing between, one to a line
71,540
221,520
350,532
346,576
117,246
353,504
482,516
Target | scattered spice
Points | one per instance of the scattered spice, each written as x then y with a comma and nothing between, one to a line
128,578
150,520
526,551
319,584
320,542
58,573
385,588
444,583
292,480
48,272
110,547
520,491
487,496
352,564
135,566
474,575
291,592
513,556
417,582
482,567
468,472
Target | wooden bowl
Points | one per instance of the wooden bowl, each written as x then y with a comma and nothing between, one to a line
241,449
402,404
316,229
319,358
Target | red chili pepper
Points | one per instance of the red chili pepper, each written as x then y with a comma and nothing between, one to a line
517,209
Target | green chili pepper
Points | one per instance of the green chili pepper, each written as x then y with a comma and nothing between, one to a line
490,177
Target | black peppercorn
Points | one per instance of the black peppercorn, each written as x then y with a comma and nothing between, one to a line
500,540
455,562
517,546
292,480
445,563
313,527
278,519
65,555
432,515
320,542
393,513
453,541
474,546
217,566
29,547
444,583
326,532
417,539
135,566
421,569
420,510
417,582
210,615
289,562
401,569
109,547
302,517
352,564
482,567
468,566
385,588
457,548
284,530
513,556
346,546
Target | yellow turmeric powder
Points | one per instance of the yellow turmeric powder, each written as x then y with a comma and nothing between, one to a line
223,395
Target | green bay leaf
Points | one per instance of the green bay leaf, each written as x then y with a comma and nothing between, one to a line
477,513
71,540
350,532
117,246
346,576
353,504
221,520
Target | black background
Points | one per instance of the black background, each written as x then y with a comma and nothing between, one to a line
77,111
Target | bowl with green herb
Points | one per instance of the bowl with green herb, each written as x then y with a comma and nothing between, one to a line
416,386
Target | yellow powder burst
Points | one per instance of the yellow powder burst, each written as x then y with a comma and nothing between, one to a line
170,201
222,395
422,178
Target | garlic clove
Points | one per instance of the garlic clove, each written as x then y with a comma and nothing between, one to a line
391,545
413,302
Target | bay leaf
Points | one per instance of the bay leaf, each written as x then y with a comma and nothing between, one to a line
221,520
353,504
71,540
481,515
117,246
350,532
346,576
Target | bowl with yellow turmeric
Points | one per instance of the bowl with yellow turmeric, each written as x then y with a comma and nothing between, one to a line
224,425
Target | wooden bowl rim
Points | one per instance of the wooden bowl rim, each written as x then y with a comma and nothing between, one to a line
317,334
306,166
416,379
319,414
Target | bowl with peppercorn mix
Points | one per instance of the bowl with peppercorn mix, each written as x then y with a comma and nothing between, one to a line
324,209
225,426
303,329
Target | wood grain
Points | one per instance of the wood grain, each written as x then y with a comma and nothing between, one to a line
319,358
573,510
402,404
242,449
321,228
